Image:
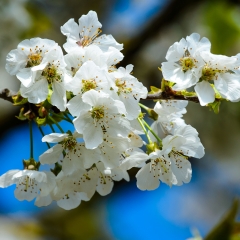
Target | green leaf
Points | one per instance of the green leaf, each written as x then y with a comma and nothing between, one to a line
224,228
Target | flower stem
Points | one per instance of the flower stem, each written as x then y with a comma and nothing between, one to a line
66,115
143,106
63,118
40,129
144,129
31,139
153,133
59,127
51,126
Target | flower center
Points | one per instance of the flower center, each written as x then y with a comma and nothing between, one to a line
69,143
86,40
88,85
187,63
122,87
50,72
27,182
97,113
34,59
165,166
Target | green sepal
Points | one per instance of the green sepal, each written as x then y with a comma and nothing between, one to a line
21,115
217,93
69,95
19,100
41,121
187,94
152,147
215,106
141,115
166,83
152,114
154,90
69,133
57,169
47,104
31,164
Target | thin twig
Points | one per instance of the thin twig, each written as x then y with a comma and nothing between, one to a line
167,96
7,94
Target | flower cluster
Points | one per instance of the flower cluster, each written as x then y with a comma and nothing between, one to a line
190,63
101,100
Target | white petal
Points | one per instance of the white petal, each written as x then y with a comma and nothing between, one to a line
25,76
76,105
106,41
71,29
43,201
93,136
58,97
54,137
146,179
205,93
72,200
52,155
104,185
68,165
7,179
88,182
16,60
37,92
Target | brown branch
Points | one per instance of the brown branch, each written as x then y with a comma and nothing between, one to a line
7,94
170,96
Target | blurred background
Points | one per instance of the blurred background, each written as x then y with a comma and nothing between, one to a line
146,28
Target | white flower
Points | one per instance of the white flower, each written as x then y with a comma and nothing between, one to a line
72,200
184,66
112,56
29,183
63,193
79,56
101,114
223,72
105,182
133,157
177,148
169,117
184,140
107,177
129,90
50,73
86,33
88,77
71,189
111,149
77,156
159,168
29,53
